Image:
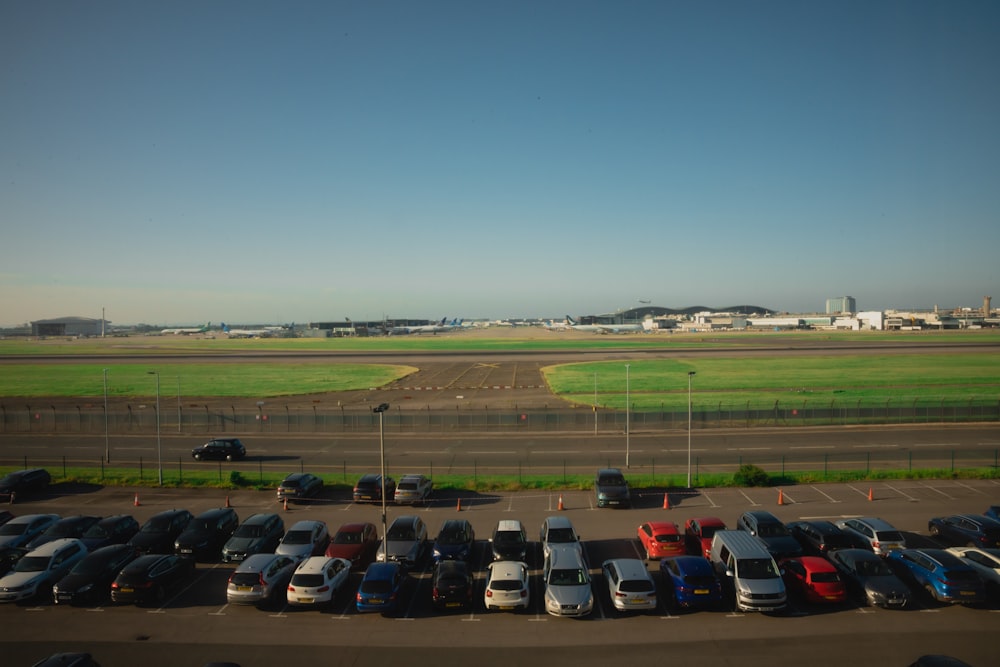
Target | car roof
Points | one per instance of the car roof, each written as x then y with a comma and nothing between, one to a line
411,477
28,518
297,476
565,556
369,477
259,518
258,562
762,515
558,521
942,556
452,566
164,513
406,519
313,564
630,568
509,524
668,527
815,563
381,571
305,523
875,523
354,527
52,547
692,564
507,569
212,513
708,520
609,471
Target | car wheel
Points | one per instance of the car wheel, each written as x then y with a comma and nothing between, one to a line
197,457
930,591
934,531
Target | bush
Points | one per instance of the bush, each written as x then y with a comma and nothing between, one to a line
236,479
751,475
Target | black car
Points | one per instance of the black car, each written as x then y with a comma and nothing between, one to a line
205,535
150,578
158,534
116,529
70,526
821,537
452,585
966,530
771,532
30,480
611,488
5,516
220,449
369,488
89,582
260,534
298,486
454,541
9,557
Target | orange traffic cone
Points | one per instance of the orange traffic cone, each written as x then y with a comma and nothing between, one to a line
871,497
135,501
458,505
284,504
227,501
561,506
666,501
781,497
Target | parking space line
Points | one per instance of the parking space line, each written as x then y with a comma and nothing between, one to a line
857,490
825,495
710,501
749,499
934,488
905,495
970,488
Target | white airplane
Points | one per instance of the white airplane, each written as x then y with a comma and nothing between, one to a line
187,331
440,327
250,333
602,328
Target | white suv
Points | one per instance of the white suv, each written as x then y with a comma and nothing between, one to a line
39,569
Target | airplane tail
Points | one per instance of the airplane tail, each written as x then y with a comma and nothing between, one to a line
570,320
225,327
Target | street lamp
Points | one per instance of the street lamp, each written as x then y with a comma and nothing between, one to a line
107,440
626,416
690,375
380,409
159,457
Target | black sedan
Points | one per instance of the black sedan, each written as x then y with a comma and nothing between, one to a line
69,526
966,530
117,529
89,582
158,534
298,486
452,585
30,480
151,578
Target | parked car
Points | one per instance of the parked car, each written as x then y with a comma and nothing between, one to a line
22,529
454,541
938,660
38,569
558,531
818,538
772,533
116,529
567,583
380,587
611,488
9,557
304,539
689,582
68,660
412,489
630,586
966,529
89,581
867,574
316,581
993,512
25,482
405,542
507,585
220,449
368,489
150,578
205,535
813,579
68,526
944,576
356,542
451,586
661,539
5,516
261,579
986,562
299,486
259,534
878,535
158,534
509,541
698,534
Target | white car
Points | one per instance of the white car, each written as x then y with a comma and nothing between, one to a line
304,539
558,531
507,585
413,489
630,585
40,568
317,580
567,583
986,563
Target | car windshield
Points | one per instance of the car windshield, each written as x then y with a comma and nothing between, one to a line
825,577
557,535
343,537
157,525
570,577
32,564
756,568
455,536
407,486
199,524
771,530
964,576
290,483
890,536
89,566
13,528
873,568
708,531
669,537
508,538
96,531
611,480
307,580
401,533
245,579
249,531
700,581
298,537
63,529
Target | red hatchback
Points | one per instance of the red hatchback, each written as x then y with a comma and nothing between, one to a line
661,539
698,534
356,542
814,579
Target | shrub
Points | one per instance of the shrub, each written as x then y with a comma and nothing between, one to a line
751,475
236,479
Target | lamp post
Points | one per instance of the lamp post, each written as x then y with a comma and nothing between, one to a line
690,375
380,409
626,417
107,440
159,457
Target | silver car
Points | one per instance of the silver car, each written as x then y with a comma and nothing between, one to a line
260,579
405,542
630,585
881,536
567,583
304,539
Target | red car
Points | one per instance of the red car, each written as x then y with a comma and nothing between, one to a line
356,542
661,539
698,534
814,579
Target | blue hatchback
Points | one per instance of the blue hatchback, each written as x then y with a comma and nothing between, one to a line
689,582
943,575
379,589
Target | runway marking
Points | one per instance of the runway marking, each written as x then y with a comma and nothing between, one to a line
498,451
936,444
875,446
749,449
681,451
988,444
557,451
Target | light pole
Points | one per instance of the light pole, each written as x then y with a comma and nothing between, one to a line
626,417
690,375
178,403
107,440
380,409
159,457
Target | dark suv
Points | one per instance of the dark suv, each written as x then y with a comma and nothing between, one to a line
369,488
220,449
27,481
771,532
117,529
206,533
259,534
299,486
157,535
611,488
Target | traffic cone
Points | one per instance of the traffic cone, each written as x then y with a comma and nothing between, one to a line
135,501
871,496
458,505
561,506
666,501
13,495
227,501
781,497
284,504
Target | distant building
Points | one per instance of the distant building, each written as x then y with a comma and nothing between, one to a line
841,304
70,326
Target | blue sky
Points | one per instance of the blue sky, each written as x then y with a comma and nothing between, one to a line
177,162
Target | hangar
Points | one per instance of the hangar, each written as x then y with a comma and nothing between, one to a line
69,326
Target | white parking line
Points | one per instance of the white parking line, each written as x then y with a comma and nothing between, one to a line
905,495
825,495
814,447
875,446
709,499
970,488
749,499
936,444
934,488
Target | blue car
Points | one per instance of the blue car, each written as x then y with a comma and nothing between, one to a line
379,589
454,541
690,582
943,575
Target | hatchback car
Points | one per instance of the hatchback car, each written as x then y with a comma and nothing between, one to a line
22,529
611,488
507,585
944,576
412,489
509,541
66,527
89,581
984,561
220,449
368,489
630,586
879,536
116,529
261,579
405,542
259,534
206,533
698,534
819,538
969,530
150,578
24,482
316,581
158,534
867,574
454,541
38,569
299,486
558,531
567,583
661,539
771,532
689,582
304,539
380,587
356,542
813,579
451,586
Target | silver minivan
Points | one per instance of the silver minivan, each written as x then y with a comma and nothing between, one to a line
755,577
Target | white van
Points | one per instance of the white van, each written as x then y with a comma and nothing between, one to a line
752,571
